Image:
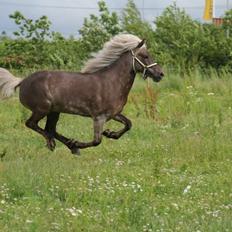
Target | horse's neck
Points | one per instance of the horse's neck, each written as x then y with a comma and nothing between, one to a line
122,73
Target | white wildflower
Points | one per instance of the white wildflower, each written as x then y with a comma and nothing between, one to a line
175,205
186,190
74,212
189,87
29,221
119,163
3,202
79,211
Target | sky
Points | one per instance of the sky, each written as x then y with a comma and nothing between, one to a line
67,15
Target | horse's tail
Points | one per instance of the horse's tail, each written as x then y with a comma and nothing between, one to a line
8,83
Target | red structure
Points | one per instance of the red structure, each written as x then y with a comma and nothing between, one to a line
217,21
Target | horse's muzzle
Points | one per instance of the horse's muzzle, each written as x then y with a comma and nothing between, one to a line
159,77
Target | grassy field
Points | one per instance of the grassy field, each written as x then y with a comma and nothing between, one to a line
171,172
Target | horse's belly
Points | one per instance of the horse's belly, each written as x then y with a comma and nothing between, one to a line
71,109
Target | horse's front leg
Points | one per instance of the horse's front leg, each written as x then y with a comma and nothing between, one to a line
98,128
117,134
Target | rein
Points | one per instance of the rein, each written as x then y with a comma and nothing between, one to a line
145,67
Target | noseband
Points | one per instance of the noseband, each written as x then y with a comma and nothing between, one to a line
145,67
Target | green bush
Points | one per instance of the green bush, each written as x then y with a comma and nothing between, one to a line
184,42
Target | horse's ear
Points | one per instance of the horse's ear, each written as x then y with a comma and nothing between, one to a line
141,43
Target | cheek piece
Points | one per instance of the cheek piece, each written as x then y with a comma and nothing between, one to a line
145,67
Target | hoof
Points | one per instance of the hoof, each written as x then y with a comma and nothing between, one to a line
110,134
107,133
51,144
71,143
75,151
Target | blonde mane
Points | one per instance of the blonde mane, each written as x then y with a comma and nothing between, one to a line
110,52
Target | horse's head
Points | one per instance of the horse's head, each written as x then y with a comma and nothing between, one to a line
143,63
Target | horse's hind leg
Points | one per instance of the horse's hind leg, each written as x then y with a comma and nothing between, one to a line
32,123
50,128
73,145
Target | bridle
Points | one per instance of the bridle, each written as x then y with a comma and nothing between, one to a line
145,67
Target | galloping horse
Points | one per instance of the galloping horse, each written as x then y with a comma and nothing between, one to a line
99,91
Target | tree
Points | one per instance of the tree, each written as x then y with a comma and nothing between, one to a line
227,22
31,44
178,37
216,47
133,23
36,30
98,29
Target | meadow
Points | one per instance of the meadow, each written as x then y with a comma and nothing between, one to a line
171,172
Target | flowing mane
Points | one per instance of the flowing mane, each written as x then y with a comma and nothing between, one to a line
110,52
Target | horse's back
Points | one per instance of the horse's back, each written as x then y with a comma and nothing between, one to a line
47,90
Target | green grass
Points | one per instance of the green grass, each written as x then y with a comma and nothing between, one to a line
171,172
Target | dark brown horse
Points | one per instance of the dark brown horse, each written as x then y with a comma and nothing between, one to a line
100,91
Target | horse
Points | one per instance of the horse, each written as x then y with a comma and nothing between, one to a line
99,91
